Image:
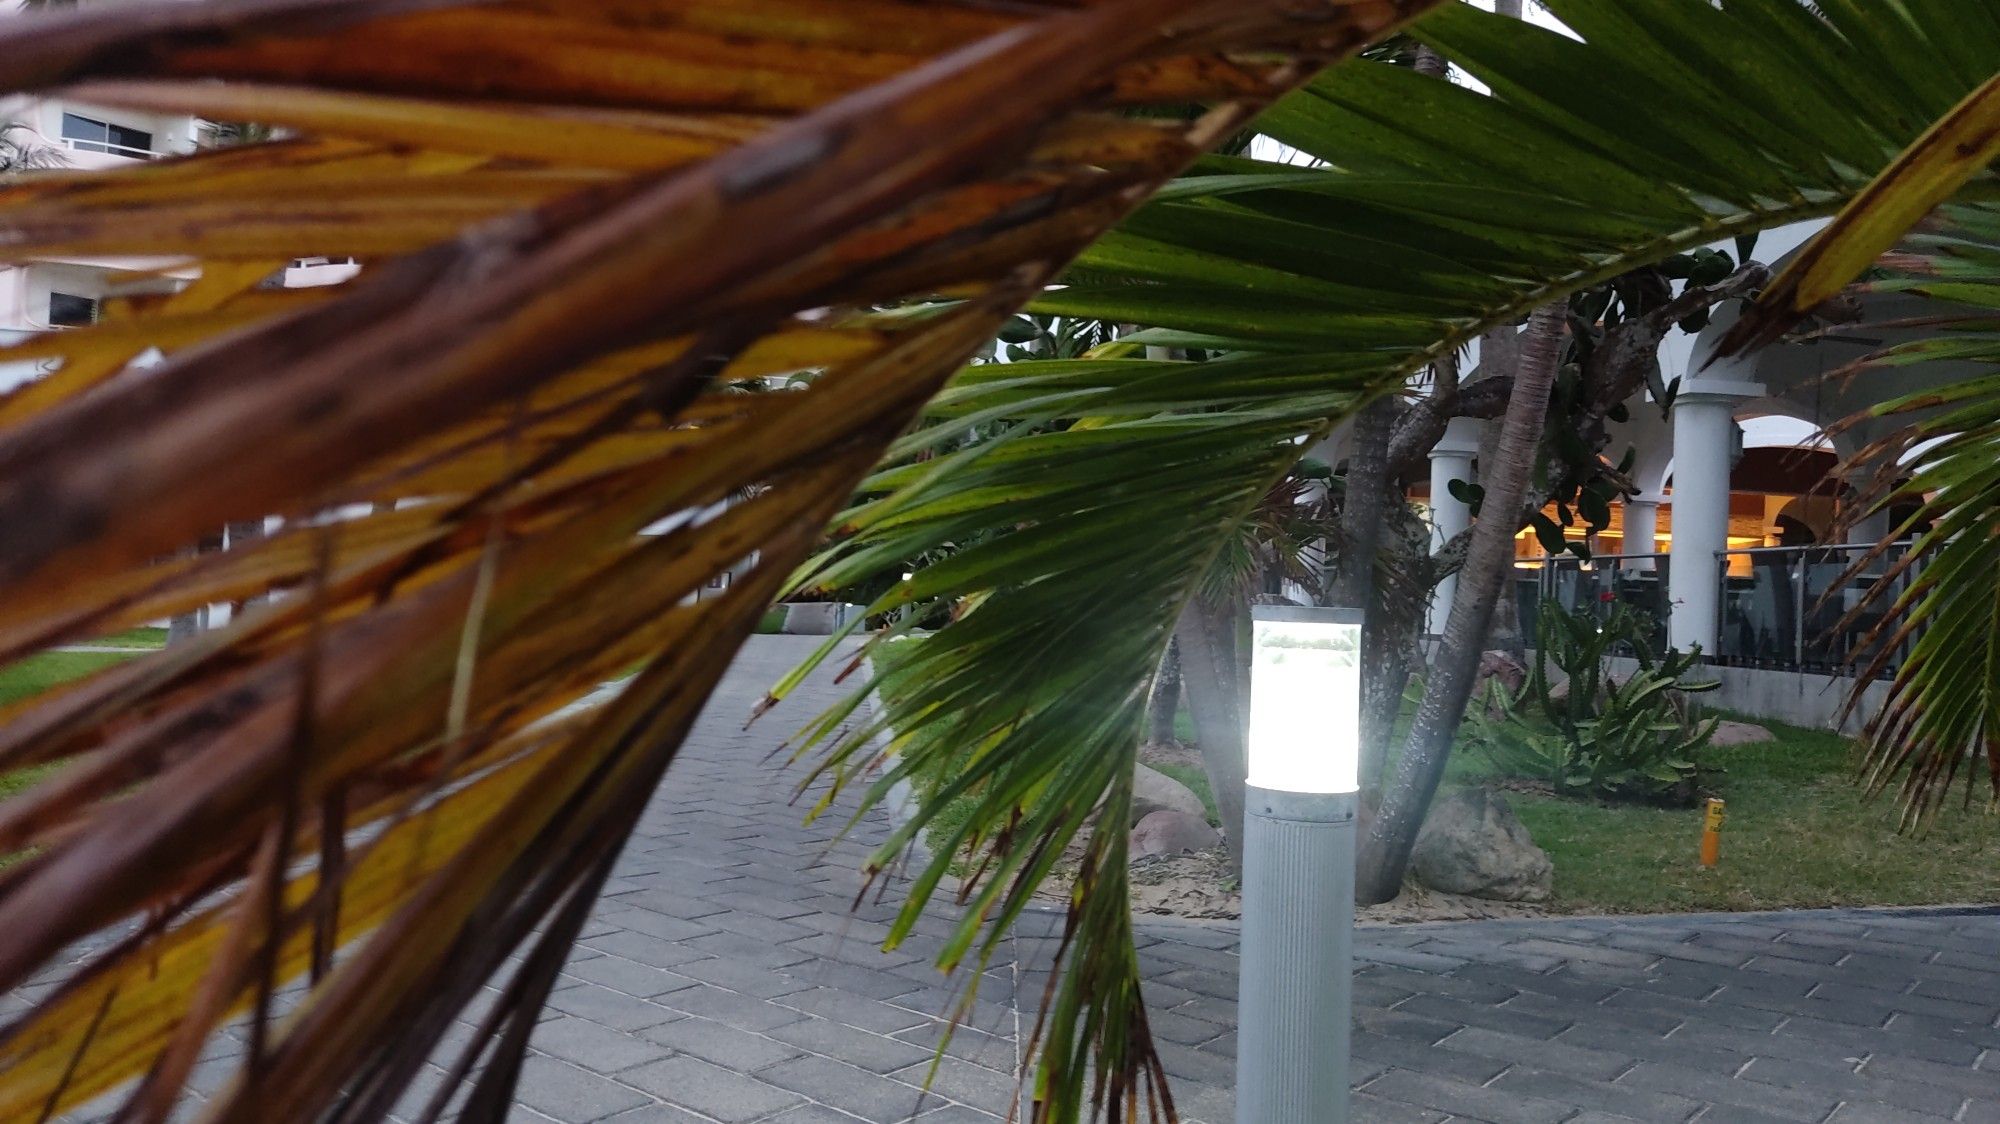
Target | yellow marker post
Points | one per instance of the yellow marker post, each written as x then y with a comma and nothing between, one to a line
1711,833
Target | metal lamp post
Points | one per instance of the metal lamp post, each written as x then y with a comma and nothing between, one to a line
1294,991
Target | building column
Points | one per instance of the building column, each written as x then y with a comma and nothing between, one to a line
1705,449
1451,459
1642,527
1869,529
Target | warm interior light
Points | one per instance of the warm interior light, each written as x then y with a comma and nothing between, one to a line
1305,699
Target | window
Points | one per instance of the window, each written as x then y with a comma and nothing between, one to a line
88,135
71,311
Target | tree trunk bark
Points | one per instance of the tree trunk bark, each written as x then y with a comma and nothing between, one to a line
1500,356
1165,700
190,624
1361,508
239,536
1385,852
1212,659
1362,512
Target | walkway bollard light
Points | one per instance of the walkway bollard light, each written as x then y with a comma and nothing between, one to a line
1293,992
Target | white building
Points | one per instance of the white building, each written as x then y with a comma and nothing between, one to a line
53,293
57,293
1734,538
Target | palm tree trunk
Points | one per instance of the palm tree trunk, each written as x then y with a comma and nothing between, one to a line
188,625
238,536
1362,512
1165,700
1213,673
1385,852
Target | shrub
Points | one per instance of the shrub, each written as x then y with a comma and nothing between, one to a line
1592,734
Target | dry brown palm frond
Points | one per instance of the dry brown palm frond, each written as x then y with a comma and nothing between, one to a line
506,455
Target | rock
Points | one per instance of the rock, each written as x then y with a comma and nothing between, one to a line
1559,692
1154,791
1503,668
1473,844
1740,733
1168,832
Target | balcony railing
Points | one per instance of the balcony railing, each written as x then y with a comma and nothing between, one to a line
1788,608
1639,580
1798,607
109,147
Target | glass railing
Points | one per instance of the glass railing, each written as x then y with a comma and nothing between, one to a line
1592,587
110,148
1803,608
1790,608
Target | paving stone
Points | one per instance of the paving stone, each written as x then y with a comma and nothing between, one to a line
711,1089
594,1046
611,1007
1375,1110
1845,1083
814,1114
956,1114
1981,1084
732,958
647,948
864,1093
570,1094
630,977
658,1114
1866,1113
962,1081
837,1040
1596,1065
1420,1057
1642,1104
722,1044
854,1010
1475,1102
1730,1095
730,1008
747,979
1510,1020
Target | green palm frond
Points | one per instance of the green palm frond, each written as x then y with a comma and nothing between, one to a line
1029,699
1439,212
1444,211
1941,612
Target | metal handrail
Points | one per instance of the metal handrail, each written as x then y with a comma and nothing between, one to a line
109,148
1775,618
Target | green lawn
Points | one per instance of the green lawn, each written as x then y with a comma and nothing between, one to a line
36,674
1799,834
147,637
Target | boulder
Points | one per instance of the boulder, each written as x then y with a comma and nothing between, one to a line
1154,791
1473,844
1167,832
1740,733
1502,668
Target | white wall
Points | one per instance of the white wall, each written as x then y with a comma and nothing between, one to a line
171,135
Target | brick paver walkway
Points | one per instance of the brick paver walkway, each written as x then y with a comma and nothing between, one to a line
725,979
